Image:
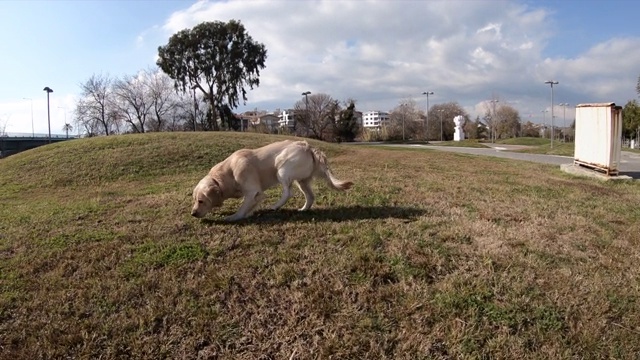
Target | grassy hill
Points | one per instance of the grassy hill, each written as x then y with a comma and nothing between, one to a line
430,255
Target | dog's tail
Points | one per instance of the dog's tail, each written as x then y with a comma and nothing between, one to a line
322,170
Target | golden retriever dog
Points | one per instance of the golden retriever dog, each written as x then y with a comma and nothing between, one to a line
247,173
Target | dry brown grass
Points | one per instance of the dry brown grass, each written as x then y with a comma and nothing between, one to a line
431,255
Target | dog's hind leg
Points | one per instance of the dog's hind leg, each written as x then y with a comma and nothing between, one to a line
286,194
309,198
286,189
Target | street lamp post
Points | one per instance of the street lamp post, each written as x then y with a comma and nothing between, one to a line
551,82
306,105
544,122
493,120
48,90
33,133
441,111
426,130
402,109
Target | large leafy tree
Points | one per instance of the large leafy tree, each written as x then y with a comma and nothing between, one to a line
217,58
631,119
441,120
347,127
508,123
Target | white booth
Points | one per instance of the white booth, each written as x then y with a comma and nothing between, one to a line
598,137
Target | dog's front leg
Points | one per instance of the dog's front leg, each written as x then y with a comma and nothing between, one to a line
249,203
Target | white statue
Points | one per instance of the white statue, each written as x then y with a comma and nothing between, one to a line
458,135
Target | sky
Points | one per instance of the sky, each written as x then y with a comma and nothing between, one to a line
380,53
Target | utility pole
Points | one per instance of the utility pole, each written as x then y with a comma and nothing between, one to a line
306,108
551,82
493,120
426,130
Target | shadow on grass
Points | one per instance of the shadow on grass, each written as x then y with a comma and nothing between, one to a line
633,174
334,214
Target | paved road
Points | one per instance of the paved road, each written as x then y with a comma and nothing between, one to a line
629,161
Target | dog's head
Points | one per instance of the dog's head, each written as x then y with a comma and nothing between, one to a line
206,195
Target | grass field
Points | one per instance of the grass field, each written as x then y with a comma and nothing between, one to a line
463,143
559,148
431,255
530,141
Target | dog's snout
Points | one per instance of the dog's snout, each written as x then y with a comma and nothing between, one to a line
194,213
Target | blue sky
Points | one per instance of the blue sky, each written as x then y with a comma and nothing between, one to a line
579,24
380,53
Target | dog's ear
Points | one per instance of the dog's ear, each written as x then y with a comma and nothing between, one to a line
214,193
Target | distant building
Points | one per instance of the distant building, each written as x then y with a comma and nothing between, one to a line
269,121
375,119
286,119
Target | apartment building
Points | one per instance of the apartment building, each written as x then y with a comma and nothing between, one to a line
374,119
286,118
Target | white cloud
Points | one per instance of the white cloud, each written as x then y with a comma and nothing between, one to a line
379,52
382,52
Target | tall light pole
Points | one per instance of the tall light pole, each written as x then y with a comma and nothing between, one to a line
402,109
493,120
48,90
551,82
426,130
544,122
33,133
564,121
306,105
441,111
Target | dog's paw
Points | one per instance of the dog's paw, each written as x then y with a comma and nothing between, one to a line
232,218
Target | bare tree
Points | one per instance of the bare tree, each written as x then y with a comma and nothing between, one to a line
508,122
190,110
163,101
131,100
491,116
94,111
474,129
3,127
317,118
528,129
3,134
405,121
